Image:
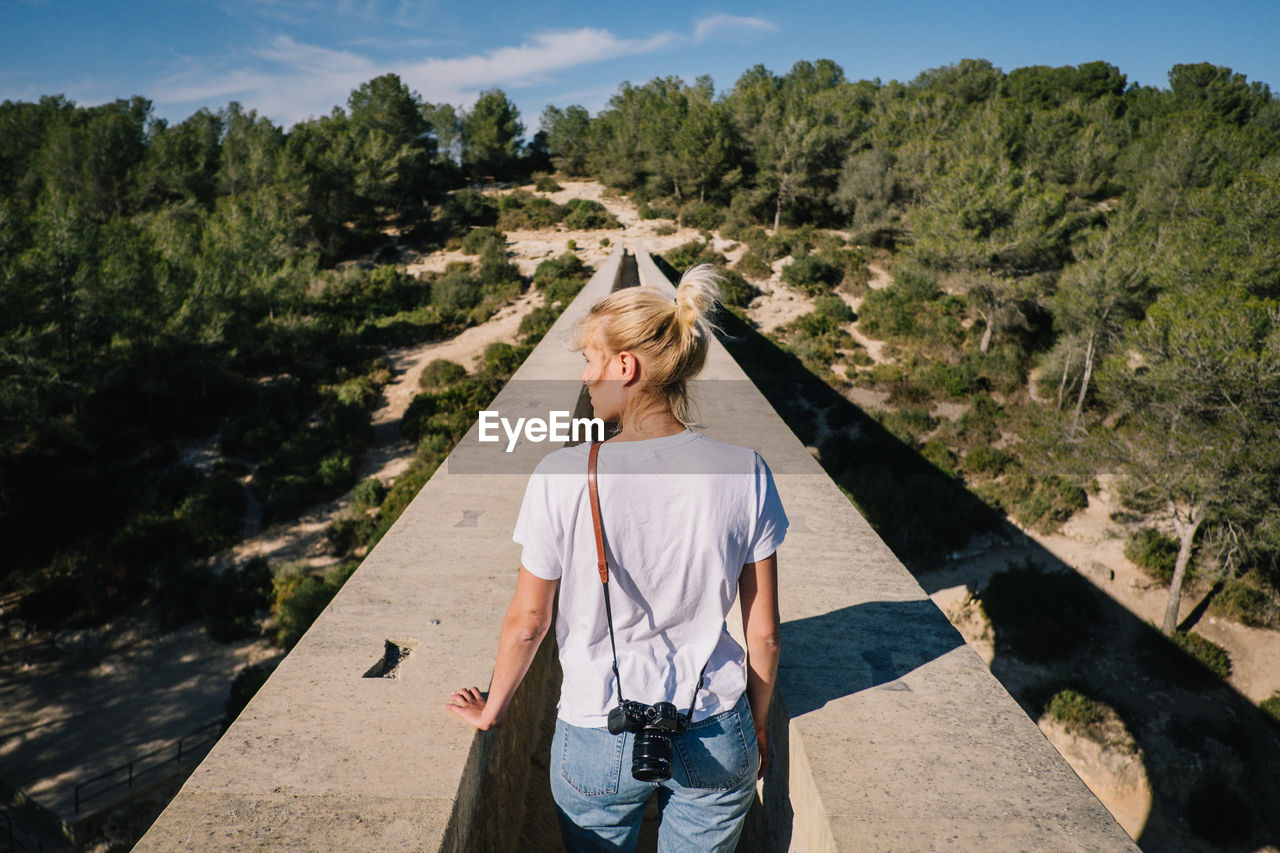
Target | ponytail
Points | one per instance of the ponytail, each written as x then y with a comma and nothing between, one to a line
671,338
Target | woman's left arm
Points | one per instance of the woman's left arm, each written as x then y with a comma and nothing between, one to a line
523,628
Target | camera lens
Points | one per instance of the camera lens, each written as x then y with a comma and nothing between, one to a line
651,756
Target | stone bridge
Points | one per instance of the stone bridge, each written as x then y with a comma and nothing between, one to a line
889,733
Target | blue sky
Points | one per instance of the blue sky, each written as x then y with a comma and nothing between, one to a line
291,59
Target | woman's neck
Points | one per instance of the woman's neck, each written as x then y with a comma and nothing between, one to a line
655,425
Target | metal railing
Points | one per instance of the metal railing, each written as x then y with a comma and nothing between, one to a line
149,762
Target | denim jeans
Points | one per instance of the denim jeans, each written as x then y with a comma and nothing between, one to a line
713,779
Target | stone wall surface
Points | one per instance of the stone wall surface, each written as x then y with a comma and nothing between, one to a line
890,734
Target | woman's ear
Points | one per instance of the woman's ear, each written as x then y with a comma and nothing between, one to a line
629,366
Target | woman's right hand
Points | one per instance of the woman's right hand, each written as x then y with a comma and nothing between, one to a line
762,744
469,704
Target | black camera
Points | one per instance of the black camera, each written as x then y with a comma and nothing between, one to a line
654,726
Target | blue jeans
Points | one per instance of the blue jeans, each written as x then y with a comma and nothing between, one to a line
713,779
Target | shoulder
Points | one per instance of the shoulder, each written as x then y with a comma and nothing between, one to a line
564,460
727,458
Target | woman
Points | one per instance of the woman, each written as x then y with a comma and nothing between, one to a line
690,523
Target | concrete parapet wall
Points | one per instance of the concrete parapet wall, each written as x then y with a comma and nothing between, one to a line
890,734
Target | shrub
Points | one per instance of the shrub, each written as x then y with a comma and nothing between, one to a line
440,372
1075,710
1211,655
368,494
605,242
1271,705
753,266
1245,600
986,460
212,513
455,292
834,307
702,216
1041,615
298,597
648,211
482,239
665,229
691,254
244,687
232,599
464,209
568,265
536,324
349,530
585,215
500,359
812,274
1153,552
940,456
953,380
546,184
451,410
522,209
736,290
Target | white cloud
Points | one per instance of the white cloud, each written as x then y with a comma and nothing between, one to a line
718,24
290,81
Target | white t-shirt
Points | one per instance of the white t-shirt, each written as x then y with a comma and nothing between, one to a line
681,515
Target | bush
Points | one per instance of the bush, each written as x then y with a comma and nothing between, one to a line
1248,602
546,184
1075,710
1041,615
753,266
691,254
585,215
1153,552
1211,655
299,597
648,211
1271,706
908,423
450,411
986,460
702,216
368,494
440,372
536,324
522,209
1052,500
244,687
568,265
834,307
455,292
464,209
500,359
231,602
812,274
940,456
480,240
736,290
349,530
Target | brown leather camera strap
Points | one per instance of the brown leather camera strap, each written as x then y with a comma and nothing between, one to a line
602,562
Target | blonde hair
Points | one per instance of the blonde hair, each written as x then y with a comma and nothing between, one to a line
671,338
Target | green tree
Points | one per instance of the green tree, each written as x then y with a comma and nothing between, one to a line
568,137
1195,387
1095,298
491,132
